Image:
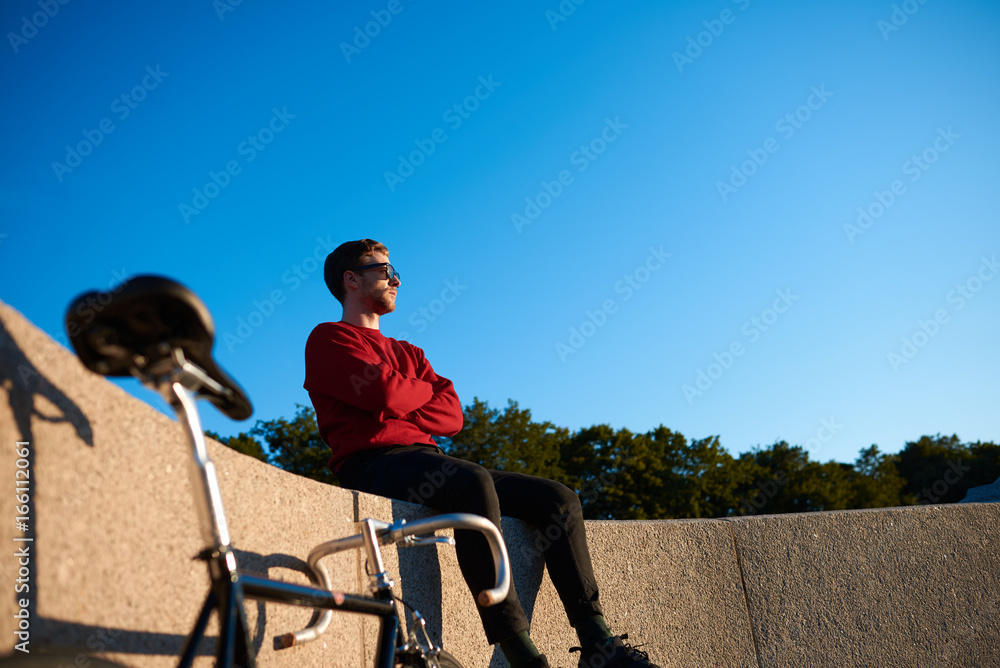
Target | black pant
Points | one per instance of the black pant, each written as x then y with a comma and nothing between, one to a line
425,475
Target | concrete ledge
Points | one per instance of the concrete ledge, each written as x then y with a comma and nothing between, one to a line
894,587
114,532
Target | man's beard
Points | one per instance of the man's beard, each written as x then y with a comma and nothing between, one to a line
381,303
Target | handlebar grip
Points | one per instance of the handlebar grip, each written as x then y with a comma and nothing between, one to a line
488,597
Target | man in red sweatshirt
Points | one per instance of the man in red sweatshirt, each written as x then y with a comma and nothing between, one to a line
379,405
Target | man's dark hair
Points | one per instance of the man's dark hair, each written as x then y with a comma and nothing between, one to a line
345,257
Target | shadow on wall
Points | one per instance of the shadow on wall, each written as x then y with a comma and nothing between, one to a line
26,389
23,383
32,396
421,568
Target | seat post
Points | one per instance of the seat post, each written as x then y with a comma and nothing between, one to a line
208,498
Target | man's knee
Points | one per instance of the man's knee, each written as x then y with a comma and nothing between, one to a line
469,488
564,500
474,478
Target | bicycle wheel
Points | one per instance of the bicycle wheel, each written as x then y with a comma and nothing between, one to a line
446,660
440,659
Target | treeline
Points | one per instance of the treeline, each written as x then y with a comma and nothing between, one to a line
661,474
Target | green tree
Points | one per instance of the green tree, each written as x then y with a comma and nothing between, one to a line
877,483
829,486
987,463
941,469
783,480
295,446
656,475
707,474
594,461
508,440
242,442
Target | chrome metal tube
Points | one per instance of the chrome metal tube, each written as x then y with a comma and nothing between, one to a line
208,498
398,532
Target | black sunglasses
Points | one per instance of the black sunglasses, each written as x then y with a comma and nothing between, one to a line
390,273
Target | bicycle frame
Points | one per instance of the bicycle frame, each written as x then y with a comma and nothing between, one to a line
229,587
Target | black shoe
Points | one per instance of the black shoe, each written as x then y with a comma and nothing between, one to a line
539,662
613,654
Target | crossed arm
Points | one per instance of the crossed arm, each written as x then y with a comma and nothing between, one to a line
346,367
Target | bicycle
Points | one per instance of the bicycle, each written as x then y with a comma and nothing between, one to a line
156,330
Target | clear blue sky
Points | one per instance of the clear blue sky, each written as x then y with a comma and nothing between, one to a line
739,138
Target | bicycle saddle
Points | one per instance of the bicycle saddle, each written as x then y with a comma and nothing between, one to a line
128,330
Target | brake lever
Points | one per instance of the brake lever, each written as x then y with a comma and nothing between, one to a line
416,541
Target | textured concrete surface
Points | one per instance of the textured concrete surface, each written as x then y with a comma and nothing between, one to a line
114,531
891,587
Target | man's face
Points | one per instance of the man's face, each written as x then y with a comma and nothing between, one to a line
377,293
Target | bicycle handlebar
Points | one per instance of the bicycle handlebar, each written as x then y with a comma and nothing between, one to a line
501,562
398,532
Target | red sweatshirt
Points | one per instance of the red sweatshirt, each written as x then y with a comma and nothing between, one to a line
371,391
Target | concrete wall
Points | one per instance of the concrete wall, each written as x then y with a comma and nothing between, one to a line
114,530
